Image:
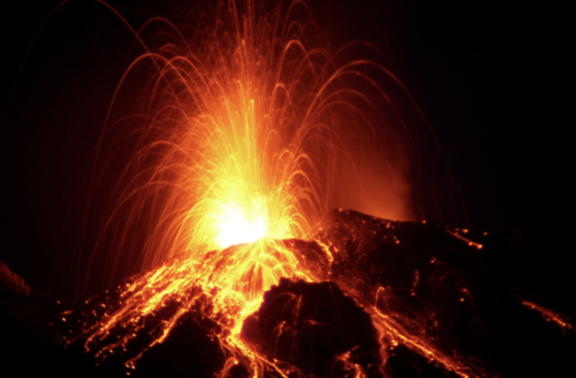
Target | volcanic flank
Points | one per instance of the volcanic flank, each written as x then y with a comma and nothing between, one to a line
315,327
397,299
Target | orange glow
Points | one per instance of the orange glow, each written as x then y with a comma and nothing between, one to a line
236,228
240,144
559,319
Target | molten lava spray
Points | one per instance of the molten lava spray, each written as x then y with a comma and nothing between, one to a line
240,135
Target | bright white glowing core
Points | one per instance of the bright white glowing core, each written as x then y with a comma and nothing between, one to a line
236,228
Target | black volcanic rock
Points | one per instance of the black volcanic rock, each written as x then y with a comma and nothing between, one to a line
11,284
436,282
189,351
310,325
433,279
29,343
424,272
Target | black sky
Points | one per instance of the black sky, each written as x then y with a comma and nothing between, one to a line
489,77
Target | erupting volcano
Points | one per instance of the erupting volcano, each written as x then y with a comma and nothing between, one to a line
241,131
245,135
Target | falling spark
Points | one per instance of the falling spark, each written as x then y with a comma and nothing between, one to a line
550,316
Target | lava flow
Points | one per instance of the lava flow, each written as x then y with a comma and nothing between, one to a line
240,135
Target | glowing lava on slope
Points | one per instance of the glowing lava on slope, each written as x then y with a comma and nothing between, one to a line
242,136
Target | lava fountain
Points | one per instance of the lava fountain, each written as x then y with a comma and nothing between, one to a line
238,136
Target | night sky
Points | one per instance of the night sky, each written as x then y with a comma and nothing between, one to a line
489,77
